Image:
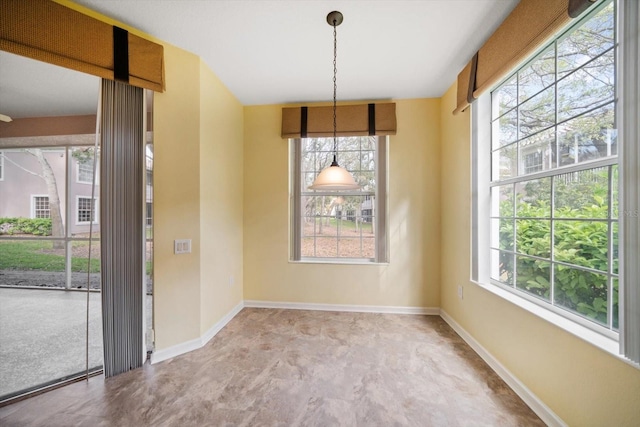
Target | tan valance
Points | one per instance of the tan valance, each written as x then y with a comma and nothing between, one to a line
528,26
351,120
53,33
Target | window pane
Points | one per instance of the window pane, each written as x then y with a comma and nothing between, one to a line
533,237
504,98
536,152
533,198
538,75
504,163
502,201
582,292
614,231
502,234
502,267
537,113
505,129
615,313
582,194
588,41
614,191
533,276
582,243
587,87
588,137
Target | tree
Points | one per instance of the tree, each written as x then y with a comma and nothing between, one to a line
46,174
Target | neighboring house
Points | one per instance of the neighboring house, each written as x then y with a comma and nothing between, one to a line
24,191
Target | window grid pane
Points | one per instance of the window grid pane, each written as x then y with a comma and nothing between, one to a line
336,225
560,244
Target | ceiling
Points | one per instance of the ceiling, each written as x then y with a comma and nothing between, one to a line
281,51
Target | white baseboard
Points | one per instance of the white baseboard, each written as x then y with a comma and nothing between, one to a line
185,347
343,307
543,411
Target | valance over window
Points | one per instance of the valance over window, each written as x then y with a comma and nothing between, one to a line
526,28
53,33
351,120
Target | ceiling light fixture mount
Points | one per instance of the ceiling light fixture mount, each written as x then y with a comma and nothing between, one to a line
334,177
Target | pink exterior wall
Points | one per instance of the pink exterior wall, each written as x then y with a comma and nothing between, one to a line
18,186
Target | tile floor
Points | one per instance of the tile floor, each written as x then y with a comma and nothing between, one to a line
272,367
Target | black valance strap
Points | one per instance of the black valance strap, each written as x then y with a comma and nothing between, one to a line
120,54
303,122
372,119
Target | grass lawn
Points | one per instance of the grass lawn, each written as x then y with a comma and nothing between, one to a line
29,255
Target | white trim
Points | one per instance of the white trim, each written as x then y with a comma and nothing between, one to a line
96,211
78,180
543,411
1,165
33,205
194,344
432,311
629,208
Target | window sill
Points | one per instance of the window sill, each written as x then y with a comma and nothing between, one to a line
604,343
338,262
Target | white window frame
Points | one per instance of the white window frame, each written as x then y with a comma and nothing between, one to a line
33,205
80,181
628,77
96,211
381,207
1,165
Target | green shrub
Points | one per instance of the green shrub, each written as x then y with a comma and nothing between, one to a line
33,226
578,242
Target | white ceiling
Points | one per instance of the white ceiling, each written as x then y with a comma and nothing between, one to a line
280,51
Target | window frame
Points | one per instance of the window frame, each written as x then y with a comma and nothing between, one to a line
90,165
34,205
483,181
96,210
1,165
381,206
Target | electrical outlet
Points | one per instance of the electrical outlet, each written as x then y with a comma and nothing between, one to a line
231,281
460,292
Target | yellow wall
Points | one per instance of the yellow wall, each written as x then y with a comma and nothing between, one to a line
412,276
582,384
221,178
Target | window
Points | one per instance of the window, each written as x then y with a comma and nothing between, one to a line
41,207
84,211
85,172
553,226
339,225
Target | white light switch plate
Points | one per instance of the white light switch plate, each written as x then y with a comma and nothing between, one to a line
182,246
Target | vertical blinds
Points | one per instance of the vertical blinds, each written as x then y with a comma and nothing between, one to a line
526,28
121,219
53,33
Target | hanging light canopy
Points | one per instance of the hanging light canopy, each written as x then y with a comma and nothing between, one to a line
334,177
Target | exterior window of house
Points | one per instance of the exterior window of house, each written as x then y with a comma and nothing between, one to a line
342,226
85,172
41,207
84,214
553,228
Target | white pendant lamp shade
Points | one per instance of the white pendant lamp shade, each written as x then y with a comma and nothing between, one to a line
334,178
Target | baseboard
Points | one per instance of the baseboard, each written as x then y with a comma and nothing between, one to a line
543,411
185,347
213,331
343,307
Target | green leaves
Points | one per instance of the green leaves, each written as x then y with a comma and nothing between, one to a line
33,226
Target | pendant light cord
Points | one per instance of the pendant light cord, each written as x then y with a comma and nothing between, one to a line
335,90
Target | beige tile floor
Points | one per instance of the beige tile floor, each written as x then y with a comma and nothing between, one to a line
272,367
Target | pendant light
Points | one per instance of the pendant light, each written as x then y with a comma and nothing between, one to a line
334,177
